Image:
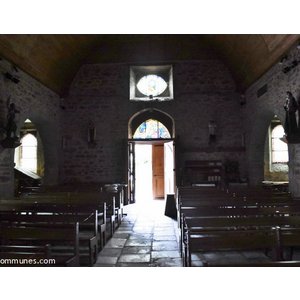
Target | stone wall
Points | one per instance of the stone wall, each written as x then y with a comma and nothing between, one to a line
41,106
203,90
260,110
294,170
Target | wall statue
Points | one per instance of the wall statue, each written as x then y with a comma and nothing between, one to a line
291,107
11,140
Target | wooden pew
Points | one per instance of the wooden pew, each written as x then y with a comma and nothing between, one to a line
66,202
220,240
213,223
62,202
108,191
209,210
289,238
232,215
239,211
213,197
61,217
286,239
31,239
16,255
290,263
248,192
88,229
96,199
118,192
224,223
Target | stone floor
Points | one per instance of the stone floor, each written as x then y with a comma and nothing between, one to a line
146,238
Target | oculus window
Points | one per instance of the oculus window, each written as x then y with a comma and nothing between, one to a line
151,83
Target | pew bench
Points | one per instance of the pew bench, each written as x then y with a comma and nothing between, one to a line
82,199
63,207
88,227
229,240
291,263
280,240
29,241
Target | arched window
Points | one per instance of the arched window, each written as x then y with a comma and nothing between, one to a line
279,149
26,154
151,129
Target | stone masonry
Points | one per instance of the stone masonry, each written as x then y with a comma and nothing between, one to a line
204,90
260,110
41,106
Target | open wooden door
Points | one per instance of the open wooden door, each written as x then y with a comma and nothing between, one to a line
158,171
169,167
131,172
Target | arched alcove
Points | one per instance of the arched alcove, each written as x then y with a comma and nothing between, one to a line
276,153
28,159
49,138
256,147
29,156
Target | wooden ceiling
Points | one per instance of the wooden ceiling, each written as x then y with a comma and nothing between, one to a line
250,56
55,59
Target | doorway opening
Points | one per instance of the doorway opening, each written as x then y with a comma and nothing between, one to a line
143,169
151,157
154,170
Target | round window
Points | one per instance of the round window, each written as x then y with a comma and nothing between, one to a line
152,85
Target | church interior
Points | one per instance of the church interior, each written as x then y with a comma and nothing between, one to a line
150,150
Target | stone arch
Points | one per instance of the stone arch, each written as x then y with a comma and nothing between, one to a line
146,114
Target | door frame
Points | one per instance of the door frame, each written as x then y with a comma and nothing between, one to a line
131,171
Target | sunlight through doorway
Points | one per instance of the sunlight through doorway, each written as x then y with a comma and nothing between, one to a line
143,169
154,171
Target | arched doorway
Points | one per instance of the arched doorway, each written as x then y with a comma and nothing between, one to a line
151,167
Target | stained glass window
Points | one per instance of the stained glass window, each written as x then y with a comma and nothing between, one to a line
279,148
151,129
152,85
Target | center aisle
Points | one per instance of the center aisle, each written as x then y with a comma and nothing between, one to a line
146,238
